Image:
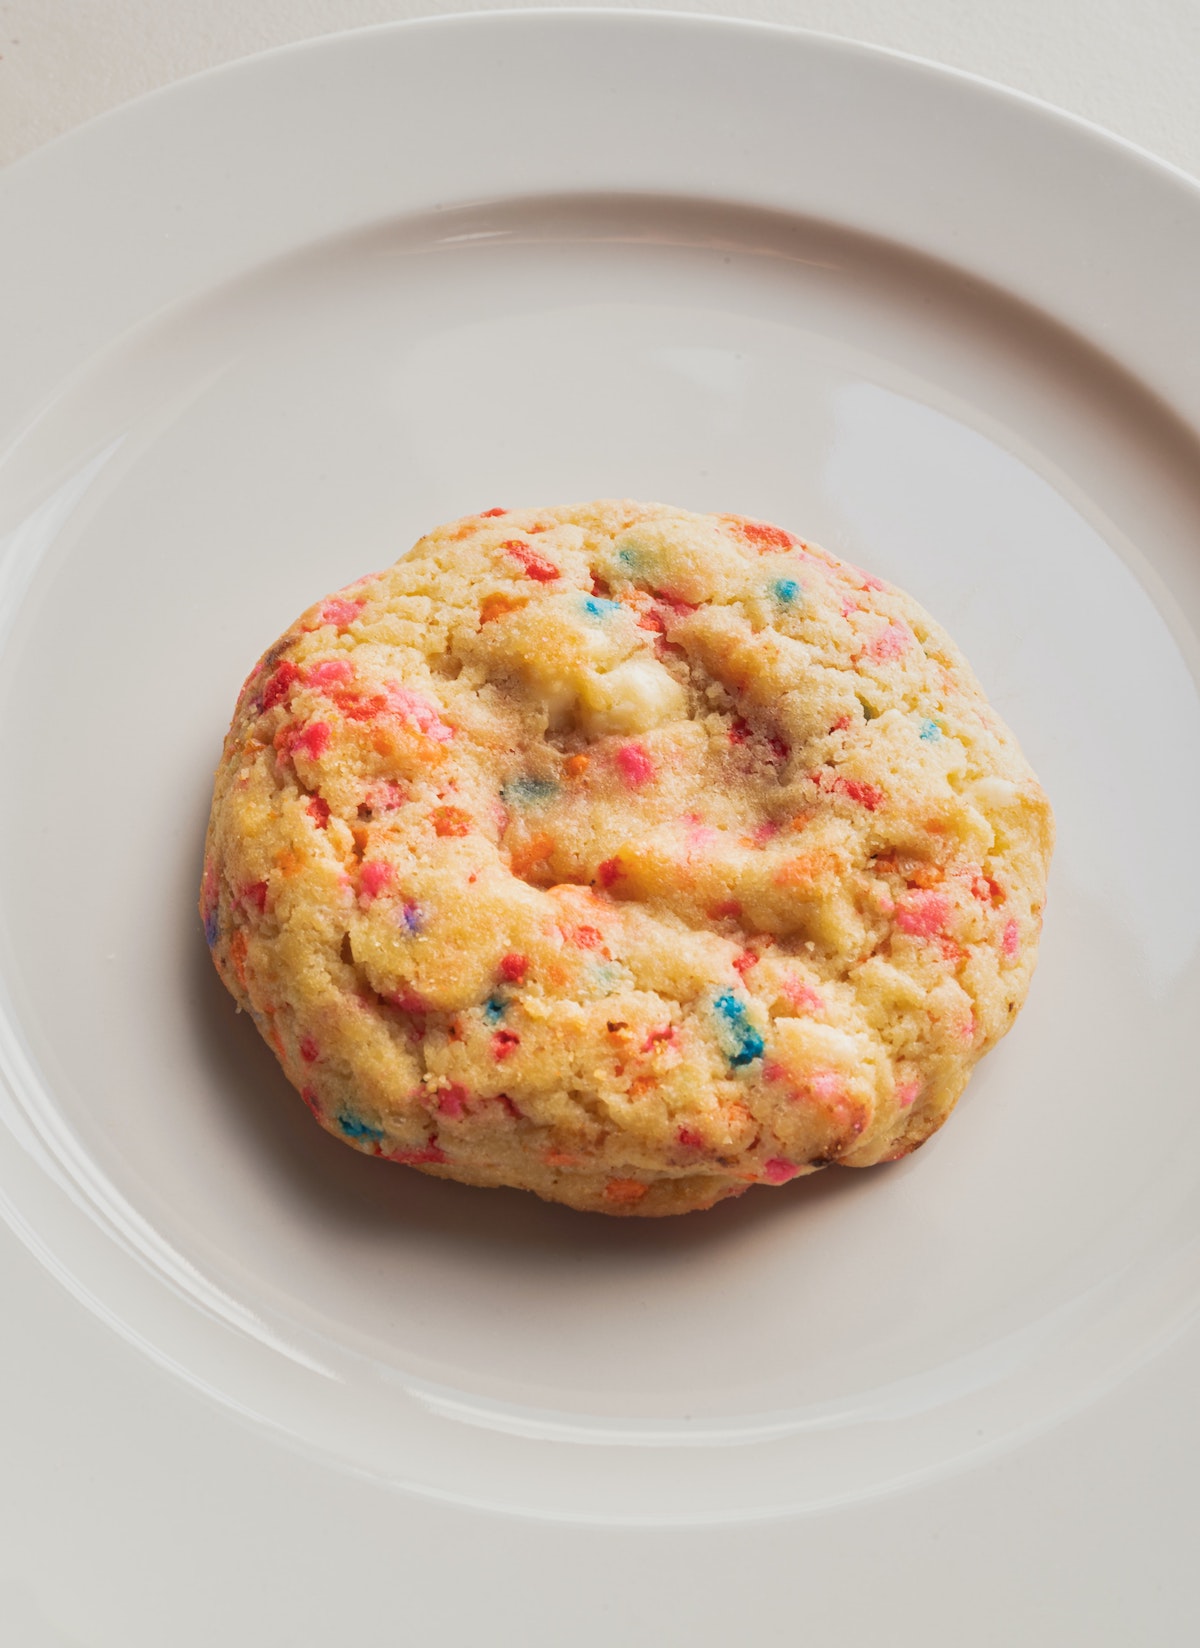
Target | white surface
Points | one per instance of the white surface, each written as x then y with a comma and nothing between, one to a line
1129,65
1021,1278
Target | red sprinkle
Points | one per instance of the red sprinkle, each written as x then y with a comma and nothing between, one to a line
503,1043
763,534
485,513
1011,942
608,871
728,909
318,811
309,1095
256,894
513,967
280,684
416,1158
309,1051
689,1138
865,794
779,1171
536,566
744,962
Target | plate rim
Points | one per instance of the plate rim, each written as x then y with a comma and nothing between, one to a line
128,117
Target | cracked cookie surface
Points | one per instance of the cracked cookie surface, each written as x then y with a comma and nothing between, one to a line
625,855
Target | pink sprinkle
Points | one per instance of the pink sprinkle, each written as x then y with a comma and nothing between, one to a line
420,712
779,1171
340,612
513,967
313,741
309,1095
764,833
689,1138
922,913
452,1100
385,797
635,765
906,1093
728,909
802,996
608,871
967,1032
743,963
1011,942
374,877
309,1051
408,1001
825,1085
329,672
890,642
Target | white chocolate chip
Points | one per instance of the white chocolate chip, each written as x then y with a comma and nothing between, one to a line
634,697
994,792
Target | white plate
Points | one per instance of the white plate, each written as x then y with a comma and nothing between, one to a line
266,328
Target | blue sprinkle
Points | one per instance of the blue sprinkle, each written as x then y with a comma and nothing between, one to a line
629,557
355,1128
597,608
212,927
528,792
412,917
494,1009
785,590
930,731
747,1044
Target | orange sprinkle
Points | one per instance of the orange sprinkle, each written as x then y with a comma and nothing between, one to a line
451,821
291,861
536,852
625,1190
577,765
558,1158
806,871
237,954
495,606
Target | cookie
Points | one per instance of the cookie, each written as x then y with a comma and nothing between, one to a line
625,855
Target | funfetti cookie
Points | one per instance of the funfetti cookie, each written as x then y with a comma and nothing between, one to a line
625,855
